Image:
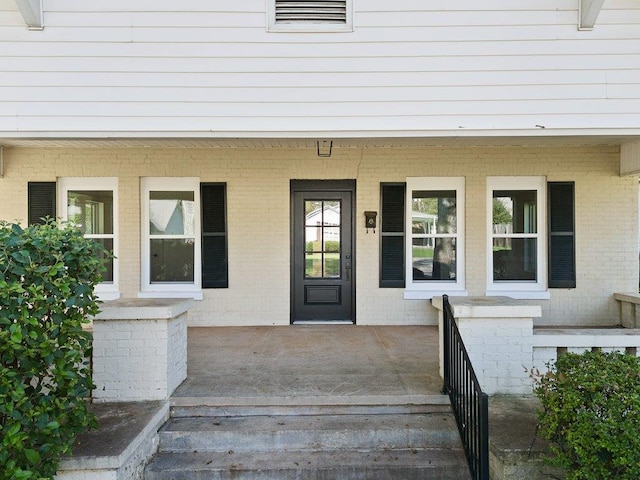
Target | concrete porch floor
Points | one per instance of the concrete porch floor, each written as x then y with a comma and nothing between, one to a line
315,366
311,365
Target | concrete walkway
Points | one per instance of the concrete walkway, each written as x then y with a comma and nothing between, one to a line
312,365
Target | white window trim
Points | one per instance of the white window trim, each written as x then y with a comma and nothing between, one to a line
104,291
169,290
272,26
427,290
520,289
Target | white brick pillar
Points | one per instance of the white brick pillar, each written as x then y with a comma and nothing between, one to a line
498,335
629,309
139,349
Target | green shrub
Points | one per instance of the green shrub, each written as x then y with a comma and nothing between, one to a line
591,415
329,246
47,278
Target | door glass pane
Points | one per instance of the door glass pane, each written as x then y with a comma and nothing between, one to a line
172,213
331,213
331,265
331,238
91,211
313,239
322,238
313,265
172,260
434,259
514,259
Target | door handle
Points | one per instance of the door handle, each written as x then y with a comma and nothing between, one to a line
347,267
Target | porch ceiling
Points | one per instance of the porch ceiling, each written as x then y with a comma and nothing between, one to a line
303,143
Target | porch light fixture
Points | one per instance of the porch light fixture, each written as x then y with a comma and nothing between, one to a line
324,147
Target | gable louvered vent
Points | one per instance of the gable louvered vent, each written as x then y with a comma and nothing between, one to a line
311,12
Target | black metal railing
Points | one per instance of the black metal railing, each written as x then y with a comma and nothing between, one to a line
470,405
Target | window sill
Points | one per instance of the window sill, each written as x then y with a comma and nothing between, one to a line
107,296
429,294
520,294
196,295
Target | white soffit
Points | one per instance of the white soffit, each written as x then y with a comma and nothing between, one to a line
32,13
589,10
310,142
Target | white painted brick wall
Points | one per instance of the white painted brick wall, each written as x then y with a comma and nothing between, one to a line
176,352
501,352
139,359
258,185
543,356
88,475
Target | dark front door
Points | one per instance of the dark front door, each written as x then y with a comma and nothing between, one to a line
322,250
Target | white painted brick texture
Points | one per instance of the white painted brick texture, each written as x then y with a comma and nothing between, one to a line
501,352
145,361
258,219
88,475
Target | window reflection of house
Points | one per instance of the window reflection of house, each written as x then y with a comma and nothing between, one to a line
327,215
424,223
171,217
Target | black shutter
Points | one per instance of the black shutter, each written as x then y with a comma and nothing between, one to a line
392,272
214,235
562,257
41,201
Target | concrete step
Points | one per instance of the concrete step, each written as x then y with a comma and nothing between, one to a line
205,410
412,464
305,442
309,433
187,399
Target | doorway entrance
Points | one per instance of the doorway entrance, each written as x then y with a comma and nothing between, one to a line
322,251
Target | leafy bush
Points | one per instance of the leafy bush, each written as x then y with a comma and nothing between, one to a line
47,277
591,415
329,246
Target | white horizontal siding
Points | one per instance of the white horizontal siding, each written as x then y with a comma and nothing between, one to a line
312,125
312,65
409,65
296,95
10,16
224,38
8,6
328,50
347,81
155,6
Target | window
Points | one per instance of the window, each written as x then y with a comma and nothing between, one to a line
516,260
562,258
310,15
171,242
214,235
91,204
392,198
435,236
